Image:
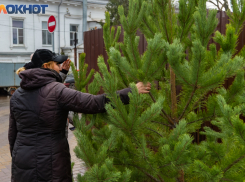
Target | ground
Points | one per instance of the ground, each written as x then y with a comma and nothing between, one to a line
5,158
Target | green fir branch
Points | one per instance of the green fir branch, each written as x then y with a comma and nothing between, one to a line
235,162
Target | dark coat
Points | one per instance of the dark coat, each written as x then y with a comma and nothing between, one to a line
38,116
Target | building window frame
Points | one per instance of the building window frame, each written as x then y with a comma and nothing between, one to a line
18,32
47,34
72,33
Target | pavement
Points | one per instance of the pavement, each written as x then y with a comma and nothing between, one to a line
5,158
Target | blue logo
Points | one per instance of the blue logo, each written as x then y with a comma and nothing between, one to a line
22,9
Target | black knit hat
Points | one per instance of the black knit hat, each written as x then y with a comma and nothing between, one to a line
42,56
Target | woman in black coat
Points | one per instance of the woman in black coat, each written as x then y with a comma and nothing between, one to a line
38,116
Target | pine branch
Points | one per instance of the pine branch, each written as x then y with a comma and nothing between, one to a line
159,28
131,44
174,160
136,141
165,28
161,123
185,81
130,74
147,159
189,101
142,170
209,85
230,122
184,27
117,107
231,97
161,114
227,179
201,119
160,67
198,101
134,114
162,180
149,118
214,152
150,176
147,26
174,108
119,122
241,133
193,92
235,162
124,81
166,32
89,162
154,131
154,100
164,112
170,18
149,62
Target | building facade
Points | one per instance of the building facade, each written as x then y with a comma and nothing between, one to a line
22,34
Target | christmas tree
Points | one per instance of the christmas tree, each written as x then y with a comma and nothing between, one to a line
150,139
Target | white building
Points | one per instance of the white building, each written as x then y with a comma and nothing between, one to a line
22,34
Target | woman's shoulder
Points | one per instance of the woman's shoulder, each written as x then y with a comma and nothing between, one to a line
58,88
54,85
49,89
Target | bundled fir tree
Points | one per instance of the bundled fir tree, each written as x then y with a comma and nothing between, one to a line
150,139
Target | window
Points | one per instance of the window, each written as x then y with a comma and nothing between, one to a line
18,32
46,36
73,30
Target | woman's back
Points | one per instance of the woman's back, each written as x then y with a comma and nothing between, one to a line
40,149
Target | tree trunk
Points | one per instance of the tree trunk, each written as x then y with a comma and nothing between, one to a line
181,177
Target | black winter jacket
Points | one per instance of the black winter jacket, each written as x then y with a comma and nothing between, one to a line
38,116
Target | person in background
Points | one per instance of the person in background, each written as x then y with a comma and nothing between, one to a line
38,117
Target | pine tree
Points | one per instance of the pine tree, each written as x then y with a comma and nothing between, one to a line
80,77
150,139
